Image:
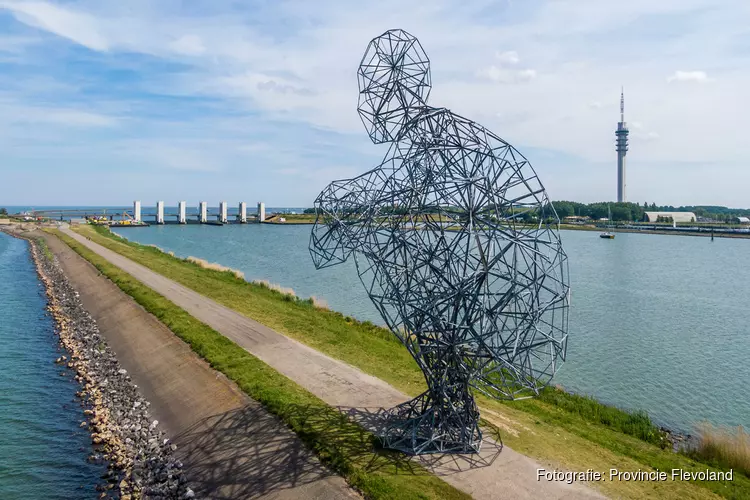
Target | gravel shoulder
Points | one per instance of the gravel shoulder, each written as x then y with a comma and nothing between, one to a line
231,447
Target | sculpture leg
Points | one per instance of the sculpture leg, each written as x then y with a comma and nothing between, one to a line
443,419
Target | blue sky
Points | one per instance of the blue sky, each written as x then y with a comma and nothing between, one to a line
104,102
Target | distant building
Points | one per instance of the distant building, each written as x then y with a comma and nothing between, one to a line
706,219
743,220
573,219
675,216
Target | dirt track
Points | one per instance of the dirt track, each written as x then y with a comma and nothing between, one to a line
231,446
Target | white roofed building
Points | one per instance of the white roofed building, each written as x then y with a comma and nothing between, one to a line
675,216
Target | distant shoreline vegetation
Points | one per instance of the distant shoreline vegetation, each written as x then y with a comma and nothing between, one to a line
622,212
628,212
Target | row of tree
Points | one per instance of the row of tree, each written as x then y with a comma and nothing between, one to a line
601,210
619,211
635,212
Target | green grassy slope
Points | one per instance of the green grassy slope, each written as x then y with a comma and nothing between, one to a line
558,429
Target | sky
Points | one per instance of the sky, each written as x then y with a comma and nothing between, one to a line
104,102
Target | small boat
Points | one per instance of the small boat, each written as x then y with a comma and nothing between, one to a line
608,235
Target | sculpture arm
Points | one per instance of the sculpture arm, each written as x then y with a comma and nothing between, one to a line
344,210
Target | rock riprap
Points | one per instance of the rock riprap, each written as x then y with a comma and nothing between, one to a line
139,455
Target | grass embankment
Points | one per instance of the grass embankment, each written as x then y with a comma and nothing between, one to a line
341,444
558,429
44,248
291,219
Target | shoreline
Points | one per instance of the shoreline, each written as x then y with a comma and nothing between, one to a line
139,456
297,221
666,232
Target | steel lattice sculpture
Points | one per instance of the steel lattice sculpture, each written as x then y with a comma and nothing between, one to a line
444,240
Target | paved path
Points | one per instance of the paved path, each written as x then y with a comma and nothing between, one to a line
231,446
495,474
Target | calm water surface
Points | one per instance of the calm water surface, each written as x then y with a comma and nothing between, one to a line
660,323
42,450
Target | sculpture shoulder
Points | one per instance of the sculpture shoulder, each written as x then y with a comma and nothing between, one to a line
437,128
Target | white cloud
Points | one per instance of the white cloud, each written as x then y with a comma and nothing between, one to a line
18,115
505,75
76,118
189,45
505,71
645,136
595,105
689,76
171,154
509,57
79,27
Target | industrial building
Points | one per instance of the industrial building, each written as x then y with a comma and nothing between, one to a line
675,216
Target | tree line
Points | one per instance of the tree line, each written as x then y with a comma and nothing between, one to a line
619,211
635,212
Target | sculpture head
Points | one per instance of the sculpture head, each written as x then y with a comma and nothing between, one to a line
394,82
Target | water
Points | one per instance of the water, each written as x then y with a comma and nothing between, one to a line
42,450
659,323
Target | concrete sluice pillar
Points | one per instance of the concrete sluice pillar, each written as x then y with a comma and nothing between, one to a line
243,212
261,211
202,212
160,212
223,212
181,213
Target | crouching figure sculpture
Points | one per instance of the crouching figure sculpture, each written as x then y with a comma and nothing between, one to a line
456,242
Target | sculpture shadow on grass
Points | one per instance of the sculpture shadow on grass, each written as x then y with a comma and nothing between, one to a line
243,454
377,421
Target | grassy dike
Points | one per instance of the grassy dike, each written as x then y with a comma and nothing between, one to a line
558,429
342,445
